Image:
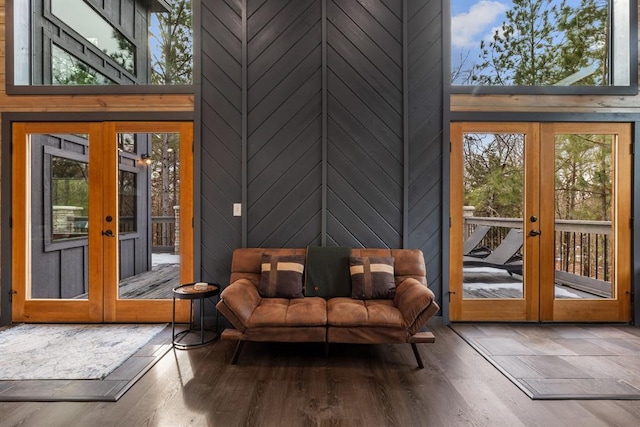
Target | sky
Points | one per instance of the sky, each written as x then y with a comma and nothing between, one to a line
471,22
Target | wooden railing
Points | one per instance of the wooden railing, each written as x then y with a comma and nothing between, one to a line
163,233
582,248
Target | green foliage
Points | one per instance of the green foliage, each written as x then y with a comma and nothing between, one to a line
173,64
68,70
544,41
585,32
583,177
494,174
165,173
125,54
540,43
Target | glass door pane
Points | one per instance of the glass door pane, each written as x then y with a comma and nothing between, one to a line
59,216
584,198
493,185
149,214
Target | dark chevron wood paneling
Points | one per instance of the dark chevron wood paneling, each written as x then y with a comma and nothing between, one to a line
383,181
284,126
364,61
221,121
426,225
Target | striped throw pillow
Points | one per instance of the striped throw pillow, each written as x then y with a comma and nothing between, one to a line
281,276
372,278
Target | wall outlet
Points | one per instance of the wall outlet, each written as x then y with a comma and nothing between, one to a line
237,209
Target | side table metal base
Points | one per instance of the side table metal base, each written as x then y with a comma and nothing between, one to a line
190,292
187,345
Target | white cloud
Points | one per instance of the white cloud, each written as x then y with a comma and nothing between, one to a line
468,28
489,36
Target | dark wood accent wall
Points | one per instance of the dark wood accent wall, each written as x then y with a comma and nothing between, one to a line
284,123
325,119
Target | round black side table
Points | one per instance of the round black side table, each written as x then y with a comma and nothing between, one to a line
193,291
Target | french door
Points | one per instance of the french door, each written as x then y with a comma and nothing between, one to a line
102,221
540,222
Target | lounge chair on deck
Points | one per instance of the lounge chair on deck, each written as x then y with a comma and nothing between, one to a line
471,247
506,256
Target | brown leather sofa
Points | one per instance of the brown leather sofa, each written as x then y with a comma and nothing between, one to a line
333,320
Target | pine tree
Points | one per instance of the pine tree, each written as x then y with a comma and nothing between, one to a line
171,63
543,41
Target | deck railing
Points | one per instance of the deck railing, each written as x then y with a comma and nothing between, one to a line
581,247
163,234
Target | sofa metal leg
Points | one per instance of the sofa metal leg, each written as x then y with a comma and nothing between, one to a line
236,354
417,354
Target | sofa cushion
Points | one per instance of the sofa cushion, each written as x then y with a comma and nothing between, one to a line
349,312
327,272
372,277
281,276
309,311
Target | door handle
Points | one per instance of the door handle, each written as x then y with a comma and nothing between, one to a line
108,233
534,233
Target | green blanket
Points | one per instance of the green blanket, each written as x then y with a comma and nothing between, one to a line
327,272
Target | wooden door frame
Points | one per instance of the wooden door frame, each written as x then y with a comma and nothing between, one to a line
618,308
25,309
549,308
136,310
103,268
515,309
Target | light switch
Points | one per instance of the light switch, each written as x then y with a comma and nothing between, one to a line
237,209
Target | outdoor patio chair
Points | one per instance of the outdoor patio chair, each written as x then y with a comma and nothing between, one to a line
505,256
471,247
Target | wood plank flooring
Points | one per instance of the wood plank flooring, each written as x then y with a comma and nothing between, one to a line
294,385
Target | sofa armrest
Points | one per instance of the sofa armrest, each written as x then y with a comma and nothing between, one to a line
238,301
416,302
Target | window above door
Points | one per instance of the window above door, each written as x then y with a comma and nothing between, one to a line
87,46
544,46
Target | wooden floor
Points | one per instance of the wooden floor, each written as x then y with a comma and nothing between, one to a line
294,385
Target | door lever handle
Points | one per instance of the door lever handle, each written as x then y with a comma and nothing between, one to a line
108,233
534,233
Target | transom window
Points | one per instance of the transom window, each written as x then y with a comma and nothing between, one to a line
534,43
94,28
96,43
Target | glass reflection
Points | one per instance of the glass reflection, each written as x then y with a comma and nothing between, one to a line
59,216
94,28
66,69
69,198
149,258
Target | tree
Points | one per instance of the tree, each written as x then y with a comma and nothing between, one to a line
172,56
543,41
586,33
171,63
583,177
67,70
494,174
